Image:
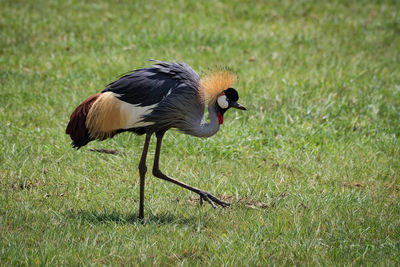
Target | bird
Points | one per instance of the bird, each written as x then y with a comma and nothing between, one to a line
152,100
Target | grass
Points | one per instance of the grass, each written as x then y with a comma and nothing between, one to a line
313,165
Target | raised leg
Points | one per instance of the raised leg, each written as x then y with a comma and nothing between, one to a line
142,173
203,194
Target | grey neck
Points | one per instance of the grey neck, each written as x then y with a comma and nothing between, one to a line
211,128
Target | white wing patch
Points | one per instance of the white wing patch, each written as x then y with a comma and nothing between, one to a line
133,115
108,114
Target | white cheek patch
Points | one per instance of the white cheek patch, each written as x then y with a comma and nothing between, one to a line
222,102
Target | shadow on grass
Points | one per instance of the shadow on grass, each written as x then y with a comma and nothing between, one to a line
95,217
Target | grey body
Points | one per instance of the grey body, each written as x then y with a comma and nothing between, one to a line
174,88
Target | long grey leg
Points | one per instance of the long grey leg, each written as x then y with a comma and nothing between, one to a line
203,194
142,173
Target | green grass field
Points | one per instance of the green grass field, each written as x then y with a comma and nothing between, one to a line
312,166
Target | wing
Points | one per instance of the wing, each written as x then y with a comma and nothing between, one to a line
149,86
162,96
183,106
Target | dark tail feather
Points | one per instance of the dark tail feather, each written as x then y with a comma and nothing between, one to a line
76,127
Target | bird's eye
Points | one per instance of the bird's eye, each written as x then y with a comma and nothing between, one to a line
222,102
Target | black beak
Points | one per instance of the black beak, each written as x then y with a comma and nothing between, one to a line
238,106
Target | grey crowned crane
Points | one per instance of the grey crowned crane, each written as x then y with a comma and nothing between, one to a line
151,101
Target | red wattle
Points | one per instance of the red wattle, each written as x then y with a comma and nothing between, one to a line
220,118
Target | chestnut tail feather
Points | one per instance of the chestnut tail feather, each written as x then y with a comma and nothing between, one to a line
76,127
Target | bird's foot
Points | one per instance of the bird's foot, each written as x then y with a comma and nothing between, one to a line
213,200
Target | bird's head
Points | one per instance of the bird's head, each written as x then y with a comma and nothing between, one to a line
226,100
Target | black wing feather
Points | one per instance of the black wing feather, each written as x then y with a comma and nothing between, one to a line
150,86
